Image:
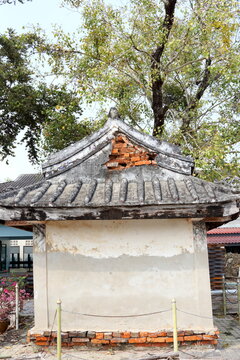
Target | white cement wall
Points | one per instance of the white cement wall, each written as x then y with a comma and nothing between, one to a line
120,268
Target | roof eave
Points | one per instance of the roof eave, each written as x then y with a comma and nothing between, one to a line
220,211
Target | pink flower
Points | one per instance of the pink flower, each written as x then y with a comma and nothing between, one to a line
8,296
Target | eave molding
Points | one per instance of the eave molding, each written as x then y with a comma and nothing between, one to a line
27,215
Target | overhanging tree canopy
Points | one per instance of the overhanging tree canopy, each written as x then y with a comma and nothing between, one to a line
171,63
33,106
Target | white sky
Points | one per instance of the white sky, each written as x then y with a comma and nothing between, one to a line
45,13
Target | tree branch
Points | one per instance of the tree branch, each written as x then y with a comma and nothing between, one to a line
204,83
169,6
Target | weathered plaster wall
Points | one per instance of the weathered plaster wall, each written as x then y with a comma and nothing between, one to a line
120,268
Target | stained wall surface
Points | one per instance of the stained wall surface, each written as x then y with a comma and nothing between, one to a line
122,267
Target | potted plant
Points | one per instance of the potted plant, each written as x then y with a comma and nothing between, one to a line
8,300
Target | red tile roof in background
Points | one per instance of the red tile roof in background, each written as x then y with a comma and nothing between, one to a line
223,239
224,235
225,230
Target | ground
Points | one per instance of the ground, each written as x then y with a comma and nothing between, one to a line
13,344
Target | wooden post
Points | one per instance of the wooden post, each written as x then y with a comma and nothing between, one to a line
59,330
174,316
238,297
17,306
224,297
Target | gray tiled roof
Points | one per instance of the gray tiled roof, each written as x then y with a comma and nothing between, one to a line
117,191
6,186
21,181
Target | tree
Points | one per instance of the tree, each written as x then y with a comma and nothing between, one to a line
168,65
13,2
29,105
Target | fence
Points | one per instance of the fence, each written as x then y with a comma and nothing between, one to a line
174,311
16,263
227,300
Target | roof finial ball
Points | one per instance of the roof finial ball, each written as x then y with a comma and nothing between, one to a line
113,114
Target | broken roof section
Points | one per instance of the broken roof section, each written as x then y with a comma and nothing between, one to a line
118,173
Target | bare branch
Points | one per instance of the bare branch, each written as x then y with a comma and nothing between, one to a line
186,64
140,50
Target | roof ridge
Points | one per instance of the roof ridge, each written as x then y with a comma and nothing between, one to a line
101,138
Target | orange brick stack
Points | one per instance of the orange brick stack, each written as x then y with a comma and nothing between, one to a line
142,338
125,155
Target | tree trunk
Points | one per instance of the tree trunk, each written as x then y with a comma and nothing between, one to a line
157,106
159,110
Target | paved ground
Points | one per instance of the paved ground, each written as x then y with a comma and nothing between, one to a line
14,345
229,342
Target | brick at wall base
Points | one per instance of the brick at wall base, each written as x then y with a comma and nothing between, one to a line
143,338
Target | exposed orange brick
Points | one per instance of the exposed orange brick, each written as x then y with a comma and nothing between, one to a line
206,342
99,335
180,338
128,149
154,162
161,333
36,335
143,334
135,158
193,337
120,160
154,335
137,340
214,342
143,162
115,151
120,145
41,338
169,339
208,337
120,138
156,339
99,341
41,343
126,335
